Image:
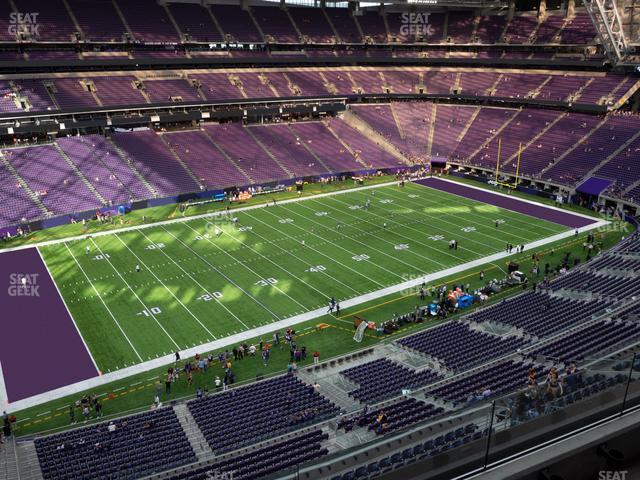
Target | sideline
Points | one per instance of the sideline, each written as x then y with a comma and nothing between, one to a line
279,325
192,217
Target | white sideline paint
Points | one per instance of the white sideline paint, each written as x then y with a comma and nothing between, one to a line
280,325
192,217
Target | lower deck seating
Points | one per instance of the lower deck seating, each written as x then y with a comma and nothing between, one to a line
494,380
264,461
128,448
383,378
266,409
539,313
595,338
457,346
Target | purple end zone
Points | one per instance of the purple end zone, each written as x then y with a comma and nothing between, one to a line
510,203
41,348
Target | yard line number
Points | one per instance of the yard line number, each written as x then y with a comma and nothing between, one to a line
212,296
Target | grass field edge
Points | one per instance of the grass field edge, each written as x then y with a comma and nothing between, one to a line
191,217
285,323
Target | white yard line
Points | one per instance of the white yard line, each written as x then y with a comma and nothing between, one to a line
405,238
223,275
400,236
151,314
324,240
327,296
279,325
75,325
103,303
209,292
467,202
429,225
188,310
369,247
301,260
247,267
506,228
415,240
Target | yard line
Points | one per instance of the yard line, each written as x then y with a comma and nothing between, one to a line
304,261
419,187
260,277
340,246
522,239
218,271
470,214
324,240
423,223
198,283
151,314
103,303
166,288
390,219
409,239
278,266
395,259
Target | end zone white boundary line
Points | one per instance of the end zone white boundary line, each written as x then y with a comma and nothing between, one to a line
4,397
266,329
519,199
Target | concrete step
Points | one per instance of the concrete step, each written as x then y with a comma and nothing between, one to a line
28,465
8,460
194,434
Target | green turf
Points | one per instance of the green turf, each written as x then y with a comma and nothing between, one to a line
167,212
136,393
194,287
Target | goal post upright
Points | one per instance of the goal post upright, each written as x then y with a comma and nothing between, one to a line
498,159
518,167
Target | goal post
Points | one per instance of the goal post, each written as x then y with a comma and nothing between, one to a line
516,182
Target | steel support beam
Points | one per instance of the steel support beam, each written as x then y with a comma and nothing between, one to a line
606,18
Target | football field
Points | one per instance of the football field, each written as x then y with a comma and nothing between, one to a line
204,279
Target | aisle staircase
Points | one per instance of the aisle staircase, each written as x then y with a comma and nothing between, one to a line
195,436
